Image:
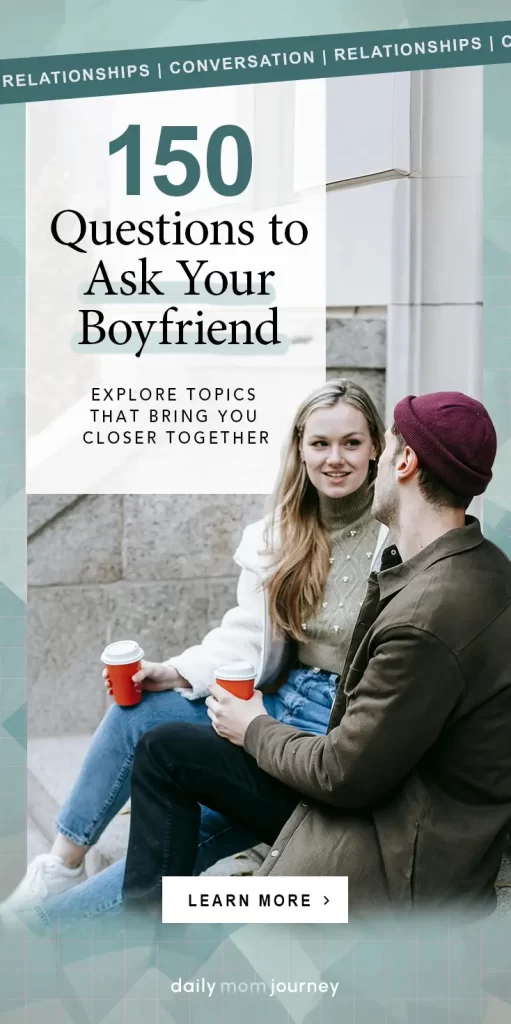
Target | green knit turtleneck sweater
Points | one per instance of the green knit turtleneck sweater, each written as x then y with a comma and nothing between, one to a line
353,534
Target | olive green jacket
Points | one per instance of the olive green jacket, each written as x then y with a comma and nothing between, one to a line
409,793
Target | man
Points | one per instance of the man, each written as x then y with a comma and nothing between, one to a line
409,793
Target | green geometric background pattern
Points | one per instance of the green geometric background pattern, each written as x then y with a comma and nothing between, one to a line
121,972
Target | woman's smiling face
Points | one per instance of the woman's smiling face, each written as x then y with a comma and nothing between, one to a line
337,448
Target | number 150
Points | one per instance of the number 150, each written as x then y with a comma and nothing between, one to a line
165,155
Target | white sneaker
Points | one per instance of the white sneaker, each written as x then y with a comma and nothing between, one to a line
47,875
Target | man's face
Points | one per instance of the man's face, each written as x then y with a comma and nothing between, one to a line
385,501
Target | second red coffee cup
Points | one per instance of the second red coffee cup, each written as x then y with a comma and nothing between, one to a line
238,677
123,659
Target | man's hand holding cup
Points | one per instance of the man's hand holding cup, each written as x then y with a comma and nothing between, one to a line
233,703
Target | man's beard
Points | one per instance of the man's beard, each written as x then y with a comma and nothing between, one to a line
384,507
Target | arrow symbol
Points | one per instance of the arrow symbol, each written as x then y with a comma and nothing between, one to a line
326,899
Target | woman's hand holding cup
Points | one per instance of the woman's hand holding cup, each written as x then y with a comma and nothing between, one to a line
154,677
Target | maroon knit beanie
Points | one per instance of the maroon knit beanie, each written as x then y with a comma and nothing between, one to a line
452,435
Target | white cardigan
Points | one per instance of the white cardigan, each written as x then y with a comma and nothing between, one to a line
245,633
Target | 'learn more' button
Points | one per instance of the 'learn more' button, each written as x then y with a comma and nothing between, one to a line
258,900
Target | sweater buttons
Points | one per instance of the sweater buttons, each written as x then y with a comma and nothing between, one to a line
303,804
274,853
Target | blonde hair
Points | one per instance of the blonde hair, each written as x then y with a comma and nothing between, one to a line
295,535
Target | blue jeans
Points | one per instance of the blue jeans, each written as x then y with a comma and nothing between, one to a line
102,788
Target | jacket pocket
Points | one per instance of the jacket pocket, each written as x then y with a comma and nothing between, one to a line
414,869
400,824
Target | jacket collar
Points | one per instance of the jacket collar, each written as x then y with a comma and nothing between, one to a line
452,543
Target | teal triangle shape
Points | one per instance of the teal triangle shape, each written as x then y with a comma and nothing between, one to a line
16,725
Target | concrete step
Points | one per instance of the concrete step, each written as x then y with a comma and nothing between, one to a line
53,766
504,886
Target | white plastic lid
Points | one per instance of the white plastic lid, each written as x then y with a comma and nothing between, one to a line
122,652
235,671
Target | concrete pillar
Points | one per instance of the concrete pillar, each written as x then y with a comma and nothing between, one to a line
435,312
435,319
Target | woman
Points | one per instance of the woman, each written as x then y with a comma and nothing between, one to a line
303,577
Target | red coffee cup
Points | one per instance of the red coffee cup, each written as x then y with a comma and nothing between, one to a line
238,677
123,659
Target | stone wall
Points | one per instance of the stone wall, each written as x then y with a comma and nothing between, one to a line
156,568
356,348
